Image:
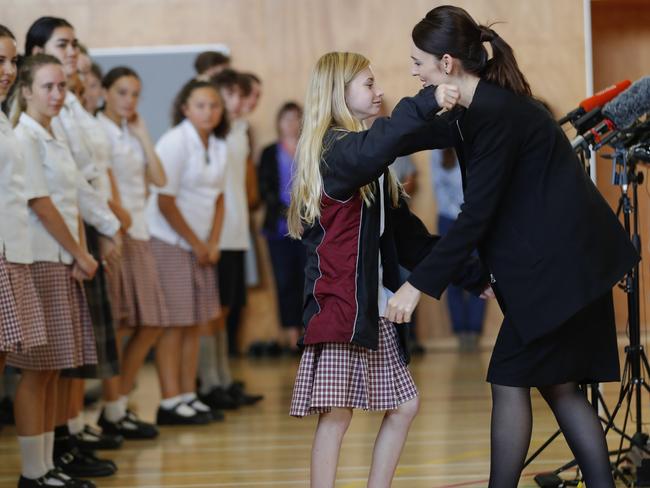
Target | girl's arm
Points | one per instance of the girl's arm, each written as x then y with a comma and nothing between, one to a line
356,159
155,171
169,209
115,203
215,232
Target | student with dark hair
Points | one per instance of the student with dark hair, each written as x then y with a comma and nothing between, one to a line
551,246
77,128
276,171
210,63
185,218
136,295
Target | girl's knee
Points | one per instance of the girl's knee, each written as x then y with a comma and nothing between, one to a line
409,409
339,418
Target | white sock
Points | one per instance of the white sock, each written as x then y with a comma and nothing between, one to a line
52,481
113,411
32,450
76,425
192,400
124,401
49,450
176,404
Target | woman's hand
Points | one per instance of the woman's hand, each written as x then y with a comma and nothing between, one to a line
401,305
447,96
487,293
202,253
214,255
110,250
138,127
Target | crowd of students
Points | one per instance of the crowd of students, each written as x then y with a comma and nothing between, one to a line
114,245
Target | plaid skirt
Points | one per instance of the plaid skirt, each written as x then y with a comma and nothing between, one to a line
135,291
190,290
345,375
70,338
22,324
97,296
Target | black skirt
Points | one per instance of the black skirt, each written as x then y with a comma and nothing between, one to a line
583,350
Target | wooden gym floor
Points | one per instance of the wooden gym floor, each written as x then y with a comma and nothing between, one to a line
262,446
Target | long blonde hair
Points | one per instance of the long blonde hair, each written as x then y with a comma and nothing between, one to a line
325,109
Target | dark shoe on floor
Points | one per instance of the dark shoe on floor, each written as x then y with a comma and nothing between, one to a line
215,415
70,482
130,427
172,417
77,464
91,439
219,399
242,397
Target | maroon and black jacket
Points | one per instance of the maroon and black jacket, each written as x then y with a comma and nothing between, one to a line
342,270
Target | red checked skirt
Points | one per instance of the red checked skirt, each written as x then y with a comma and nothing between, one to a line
70,337
136,295
345,375
190,291
22,325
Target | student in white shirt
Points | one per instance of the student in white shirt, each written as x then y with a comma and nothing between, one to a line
136,292
75,126
185,221
58,251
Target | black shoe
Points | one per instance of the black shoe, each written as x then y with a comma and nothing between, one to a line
215,414
219,399
70,482
91,439
242,397
170,417
77,464
130,427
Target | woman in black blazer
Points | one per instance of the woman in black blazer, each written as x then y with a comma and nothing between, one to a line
287,255
551,246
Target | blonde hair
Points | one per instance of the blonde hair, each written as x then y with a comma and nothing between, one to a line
325,109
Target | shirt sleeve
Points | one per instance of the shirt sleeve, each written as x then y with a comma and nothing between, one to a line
94,208
173,156
33,154
489,166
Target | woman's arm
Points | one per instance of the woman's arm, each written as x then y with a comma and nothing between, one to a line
155,171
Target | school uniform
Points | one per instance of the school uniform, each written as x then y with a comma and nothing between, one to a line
235,237
195,178
136,293
22,324
354,357
51,172
84,138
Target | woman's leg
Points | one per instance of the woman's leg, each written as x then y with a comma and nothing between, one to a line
327,445
389,443
512,423
141,342
583,432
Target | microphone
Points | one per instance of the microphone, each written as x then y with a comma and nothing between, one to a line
595,101
619,113
634,102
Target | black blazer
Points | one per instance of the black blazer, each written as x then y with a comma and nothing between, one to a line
269,186
545,233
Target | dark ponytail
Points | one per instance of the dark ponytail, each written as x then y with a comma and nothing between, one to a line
451,30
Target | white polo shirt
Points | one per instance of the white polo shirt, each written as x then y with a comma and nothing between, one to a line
14,212
102,154
51,172
235,235
195,177
129,165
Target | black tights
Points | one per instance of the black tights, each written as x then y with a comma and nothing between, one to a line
512,422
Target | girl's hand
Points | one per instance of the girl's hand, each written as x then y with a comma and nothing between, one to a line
447,96
215,255
202,253
138,127
110,249
123,216
86,264
402,304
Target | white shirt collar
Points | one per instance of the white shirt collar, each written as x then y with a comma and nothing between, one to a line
110,124
35,127
194,136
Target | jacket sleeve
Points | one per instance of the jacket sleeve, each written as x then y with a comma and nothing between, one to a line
355,159
414,243
492,156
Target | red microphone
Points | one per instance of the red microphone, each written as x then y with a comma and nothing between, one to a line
595,101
